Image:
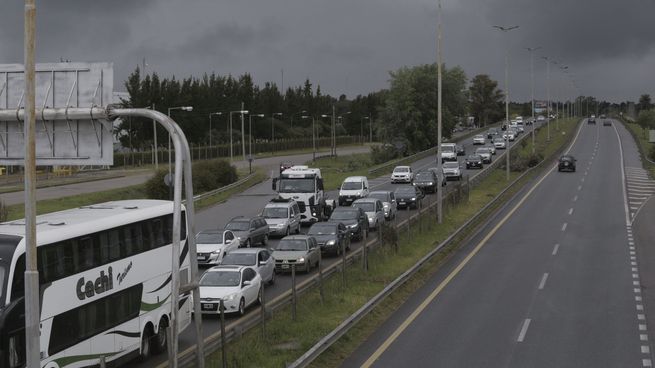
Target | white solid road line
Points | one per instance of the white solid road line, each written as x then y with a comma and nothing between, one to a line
555,249
571,211
524,330
543,281
564,226
575,198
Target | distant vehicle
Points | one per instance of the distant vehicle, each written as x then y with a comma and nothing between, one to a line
566,163
402,174
285,165
485,153
301,250
492,133
607,122
448,152
473,162
593,116
510,135
541,118
460,150
213,245
282,216
491,147
258,258
602,116
237,286
519,119
436,174
331,237
355,220
409,196
374,211
519,127
427,180
591,120
249,230
500,143
388,202
305,185
353,188
479,139
452,171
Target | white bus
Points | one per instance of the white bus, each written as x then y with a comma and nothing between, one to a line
105,284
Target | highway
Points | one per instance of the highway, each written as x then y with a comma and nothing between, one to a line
552,281
252,201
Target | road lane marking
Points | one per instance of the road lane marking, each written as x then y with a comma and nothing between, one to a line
579,187
564,226
555,249
575,198
570,211
643,337
646,363
641,317
645,349
543,281
625,192
524,330
640,307
642,327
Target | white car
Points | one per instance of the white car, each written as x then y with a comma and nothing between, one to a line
509,135
499,143
237,286
492,148
519,127
212,245
388,202
353,188
479,139
485,153
261,259
402,174
374,211
452,171
541,118
448,152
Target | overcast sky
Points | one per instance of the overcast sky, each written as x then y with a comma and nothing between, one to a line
349,46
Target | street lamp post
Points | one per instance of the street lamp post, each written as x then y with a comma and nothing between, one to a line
361,128
230,132
273,129
313,135
250,132
532,50
210,126
439,120
548,95
170,168
505,30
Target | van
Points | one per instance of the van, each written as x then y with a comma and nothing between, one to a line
282,216
352,189
448,152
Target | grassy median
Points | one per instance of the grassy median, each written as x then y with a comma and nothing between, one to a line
641,138
336,169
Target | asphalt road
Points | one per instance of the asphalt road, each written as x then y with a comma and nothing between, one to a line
549,283
251,202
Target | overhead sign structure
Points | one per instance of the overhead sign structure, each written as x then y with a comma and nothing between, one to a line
63,86
540,106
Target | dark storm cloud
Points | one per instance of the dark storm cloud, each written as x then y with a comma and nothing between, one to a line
349,46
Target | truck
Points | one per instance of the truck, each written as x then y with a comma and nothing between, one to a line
305,186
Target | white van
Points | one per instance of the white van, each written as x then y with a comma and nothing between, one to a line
448,152
353,188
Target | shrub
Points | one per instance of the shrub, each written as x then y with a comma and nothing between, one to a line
651,153
207,175
382,154
3,211
155,187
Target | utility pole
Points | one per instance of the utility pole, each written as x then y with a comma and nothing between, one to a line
154,133
243,135
532,50
548,98
439,120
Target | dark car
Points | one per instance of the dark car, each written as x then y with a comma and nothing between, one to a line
461,151
426,180
285,165
492,133
249,230
330,236
591,120
607,122
353,218
566,163
436,173
409,196
473,162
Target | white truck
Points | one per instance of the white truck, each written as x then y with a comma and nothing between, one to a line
448,152
305,185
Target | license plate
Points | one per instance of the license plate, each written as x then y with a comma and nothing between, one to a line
201,258
285,266
206,306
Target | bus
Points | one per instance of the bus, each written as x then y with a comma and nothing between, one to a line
105,284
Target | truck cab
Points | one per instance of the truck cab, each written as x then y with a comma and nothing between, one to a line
305,186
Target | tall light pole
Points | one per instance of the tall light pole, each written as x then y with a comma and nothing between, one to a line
532,50
439,119
505,30
250,131
548,95
334,127
370,129
170,168
273,115
154,133
361,127
210,126
230,131
313,135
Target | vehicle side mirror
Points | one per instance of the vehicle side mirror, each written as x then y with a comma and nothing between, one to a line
262,263
247,283
319,183
274,184
228,241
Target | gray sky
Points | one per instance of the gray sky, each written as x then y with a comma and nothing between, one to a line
349,46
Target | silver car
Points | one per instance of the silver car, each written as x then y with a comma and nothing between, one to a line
388,202
282,217
301,250
249,231
485,153
260,259
374,211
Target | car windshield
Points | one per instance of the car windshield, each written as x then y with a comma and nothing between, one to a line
239,259
406,190
482,150
221,278
384,197
499,140
292,245
473,158
450,165
401,170
566,158
424,176
275,212
447,149
344,215
366,206
479,137
322,229
238,226
305,185
209,238
352,185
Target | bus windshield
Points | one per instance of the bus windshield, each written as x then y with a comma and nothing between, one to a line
297,185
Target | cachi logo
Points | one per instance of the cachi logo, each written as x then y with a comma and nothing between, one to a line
87,289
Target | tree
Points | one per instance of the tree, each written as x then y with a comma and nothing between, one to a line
485,100
644,103
646,119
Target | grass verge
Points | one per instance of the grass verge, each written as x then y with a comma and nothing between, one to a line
336,169
640,136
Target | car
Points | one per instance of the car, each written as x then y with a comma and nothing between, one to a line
213,245
460,150
249,230
237,286
261,259
409,196
510,135
282,216
448,152
500,143
519,127
607,122
492,133
427,180
436,173
485,153
602,116
479,139
566,163
388,202
593,116
285,165
353,188
402,174
541,118
492,148
355,220
473,162
373,209
331,237
452,171
301,250
591,120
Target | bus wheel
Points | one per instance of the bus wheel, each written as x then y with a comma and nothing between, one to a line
145,344
160,340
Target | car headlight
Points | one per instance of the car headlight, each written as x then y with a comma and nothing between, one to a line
413,198
386,205
240,238
352,226
430,183
371,219
330,242
231,297
301,260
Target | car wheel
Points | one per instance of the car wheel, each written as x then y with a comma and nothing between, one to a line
242,306
160,339
145,345
265,240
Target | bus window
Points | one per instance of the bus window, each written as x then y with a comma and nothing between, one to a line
89,253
